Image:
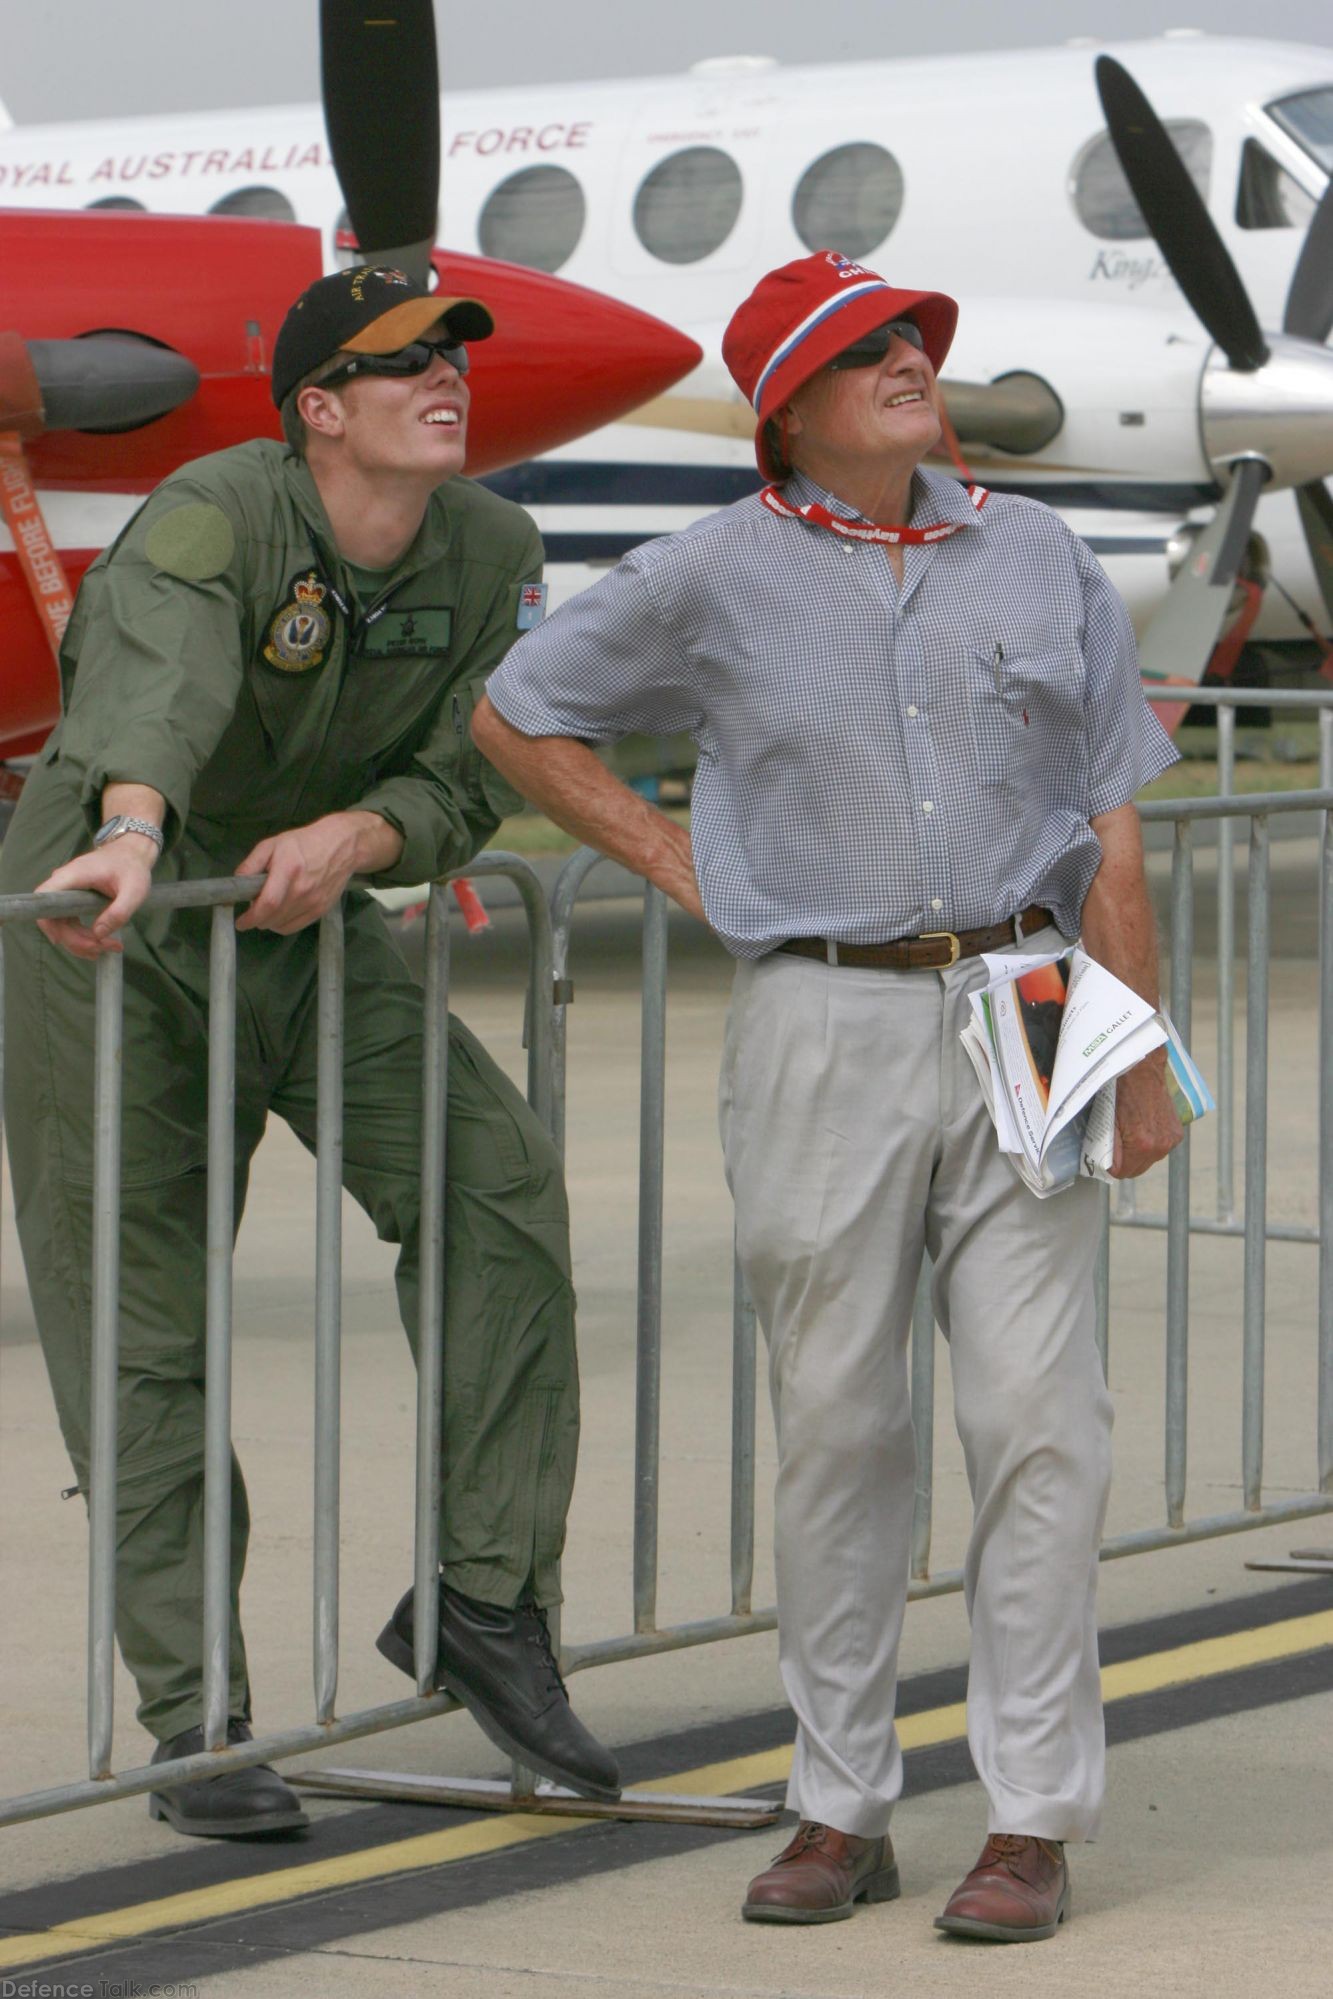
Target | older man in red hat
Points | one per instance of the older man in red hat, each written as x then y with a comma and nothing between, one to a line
920,731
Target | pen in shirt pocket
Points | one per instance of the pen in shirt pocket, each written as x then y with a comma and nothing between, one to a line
997,662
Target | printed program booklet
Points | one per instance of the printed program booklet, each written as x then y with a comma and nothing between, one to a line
1048,1037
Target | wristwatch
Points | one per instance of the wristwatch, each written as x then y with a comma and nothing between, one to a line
112,829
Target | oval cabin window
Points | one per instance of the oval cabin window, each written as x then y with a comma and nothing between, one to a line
688,205
1100,193
265,204
848,200
535,217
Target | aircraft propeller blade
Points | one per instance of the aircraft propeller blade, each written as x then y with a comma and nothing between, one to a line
1180,639
1316,510
1178,219
1309,310
381,89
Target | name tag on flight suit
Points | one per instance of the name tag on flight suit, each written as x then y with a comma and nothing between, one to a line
408,634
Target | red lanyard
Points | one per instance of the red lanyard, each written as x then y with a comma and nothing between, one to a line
820,517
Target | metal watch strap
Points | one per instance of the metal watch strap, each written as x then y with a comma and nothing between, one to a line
120,823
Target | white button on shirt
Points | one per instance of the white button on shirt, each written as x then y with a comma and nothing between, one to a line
792,676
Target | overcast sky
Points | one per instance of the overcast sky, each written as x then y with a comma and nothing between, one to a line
115,58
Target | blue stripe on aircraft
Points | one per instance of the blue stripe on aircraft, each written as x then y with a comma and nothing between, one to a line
609,547
593,482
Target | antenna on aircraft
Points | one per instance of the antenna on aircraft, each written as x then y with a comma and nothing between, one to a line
1265,413
381,88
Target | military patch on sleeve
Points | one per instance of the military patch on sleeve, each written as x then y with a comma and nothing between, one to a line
193,542
408,634
299,635
531,605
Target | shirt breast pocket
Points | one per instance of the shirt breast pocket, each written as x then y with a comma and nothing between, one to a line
1027,717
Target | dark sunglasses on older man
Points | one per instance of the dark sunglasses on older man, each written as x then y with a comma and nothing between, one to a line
414,359
871,348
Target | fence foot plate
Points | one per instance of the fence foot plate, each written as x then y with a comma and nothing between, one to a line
1306,1561
494,1795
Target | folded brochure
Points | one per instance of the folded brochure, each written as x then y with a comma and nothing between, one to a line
1048,1037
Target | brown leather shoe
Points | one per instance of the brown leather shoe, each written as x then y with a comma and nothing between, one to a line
820,1875
1018,1892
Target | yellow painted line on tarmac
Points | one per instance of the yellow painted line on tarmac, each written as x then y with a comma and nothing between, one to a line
1182,1665
1203,1660
229,1898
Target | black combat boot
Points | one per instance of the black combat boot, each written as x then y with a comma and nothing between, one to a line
499,1664
236,1804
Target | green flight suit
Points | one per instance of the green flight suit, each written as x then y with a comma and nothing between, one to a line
218,653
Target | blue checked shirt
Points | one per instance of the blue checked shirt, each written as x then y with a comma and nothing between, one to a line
873,762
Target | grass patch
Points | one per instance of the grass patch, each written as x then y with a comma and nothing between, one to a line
1199,779
529,834
1283,758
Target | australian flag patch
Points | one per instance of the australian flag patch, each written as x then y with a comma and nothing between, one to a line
531,605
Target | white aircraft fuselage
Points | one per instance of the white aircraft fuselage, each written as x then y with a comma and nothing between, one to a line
986,176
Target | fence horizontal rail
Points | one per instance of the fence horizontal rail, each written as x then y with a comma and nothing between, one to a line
1283,698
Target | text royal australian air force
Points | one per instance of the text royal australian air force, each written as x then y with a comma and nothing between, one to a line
100,171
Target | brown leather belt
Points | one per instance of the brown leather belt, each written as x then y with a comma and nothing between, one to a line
930,952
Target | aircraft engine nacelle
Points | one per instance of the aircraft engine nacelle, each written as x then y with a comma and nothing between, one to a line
157,301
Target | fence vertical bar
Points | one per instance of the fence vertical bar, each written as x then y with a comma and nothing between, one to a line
923,1419
563,896
1325,1415
430,1333
109,1035
1256,1166
1226,968
648,1376
1178,1189
744,1337
1101,1284
218,1323
2,1060
328,1308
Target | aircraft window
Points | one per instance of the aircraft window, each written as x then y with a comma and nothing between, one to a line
535,217
265,203
688,205
848,200
1100,192
1267,197
119,201
1309,119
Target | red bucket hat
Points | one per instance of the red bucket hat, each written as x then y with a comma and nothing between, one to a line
798,317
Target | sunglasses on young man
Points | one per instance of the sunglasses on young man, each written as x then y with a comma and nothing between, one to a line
871,348
414,359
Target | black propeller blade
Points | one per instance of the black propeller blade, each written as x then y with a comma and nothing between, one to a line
1179,642
1316,510
1175,213
381,90
1310,296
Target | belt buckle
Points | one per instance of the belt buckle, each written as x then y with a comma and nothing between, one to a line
955,948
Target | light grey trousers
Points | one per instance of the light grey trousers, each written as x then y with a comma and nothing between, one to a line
855,1138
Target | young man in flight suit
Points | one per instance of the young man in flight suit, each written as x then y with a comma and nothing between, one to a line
272,671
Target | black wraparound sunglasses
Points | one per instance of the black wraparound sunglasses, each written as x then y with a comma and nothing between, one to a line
414,359
870,349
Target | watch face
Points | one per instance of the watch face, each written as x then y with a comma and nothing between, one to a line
108,831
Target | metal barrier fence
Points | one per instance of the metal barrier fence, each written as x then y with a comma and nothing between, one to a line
549,994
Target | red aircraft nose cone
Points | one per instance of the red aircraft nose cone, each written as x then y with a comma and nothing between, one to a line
562,361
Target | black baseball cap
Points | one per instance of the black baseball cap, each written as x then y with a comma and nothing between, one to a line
369,310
